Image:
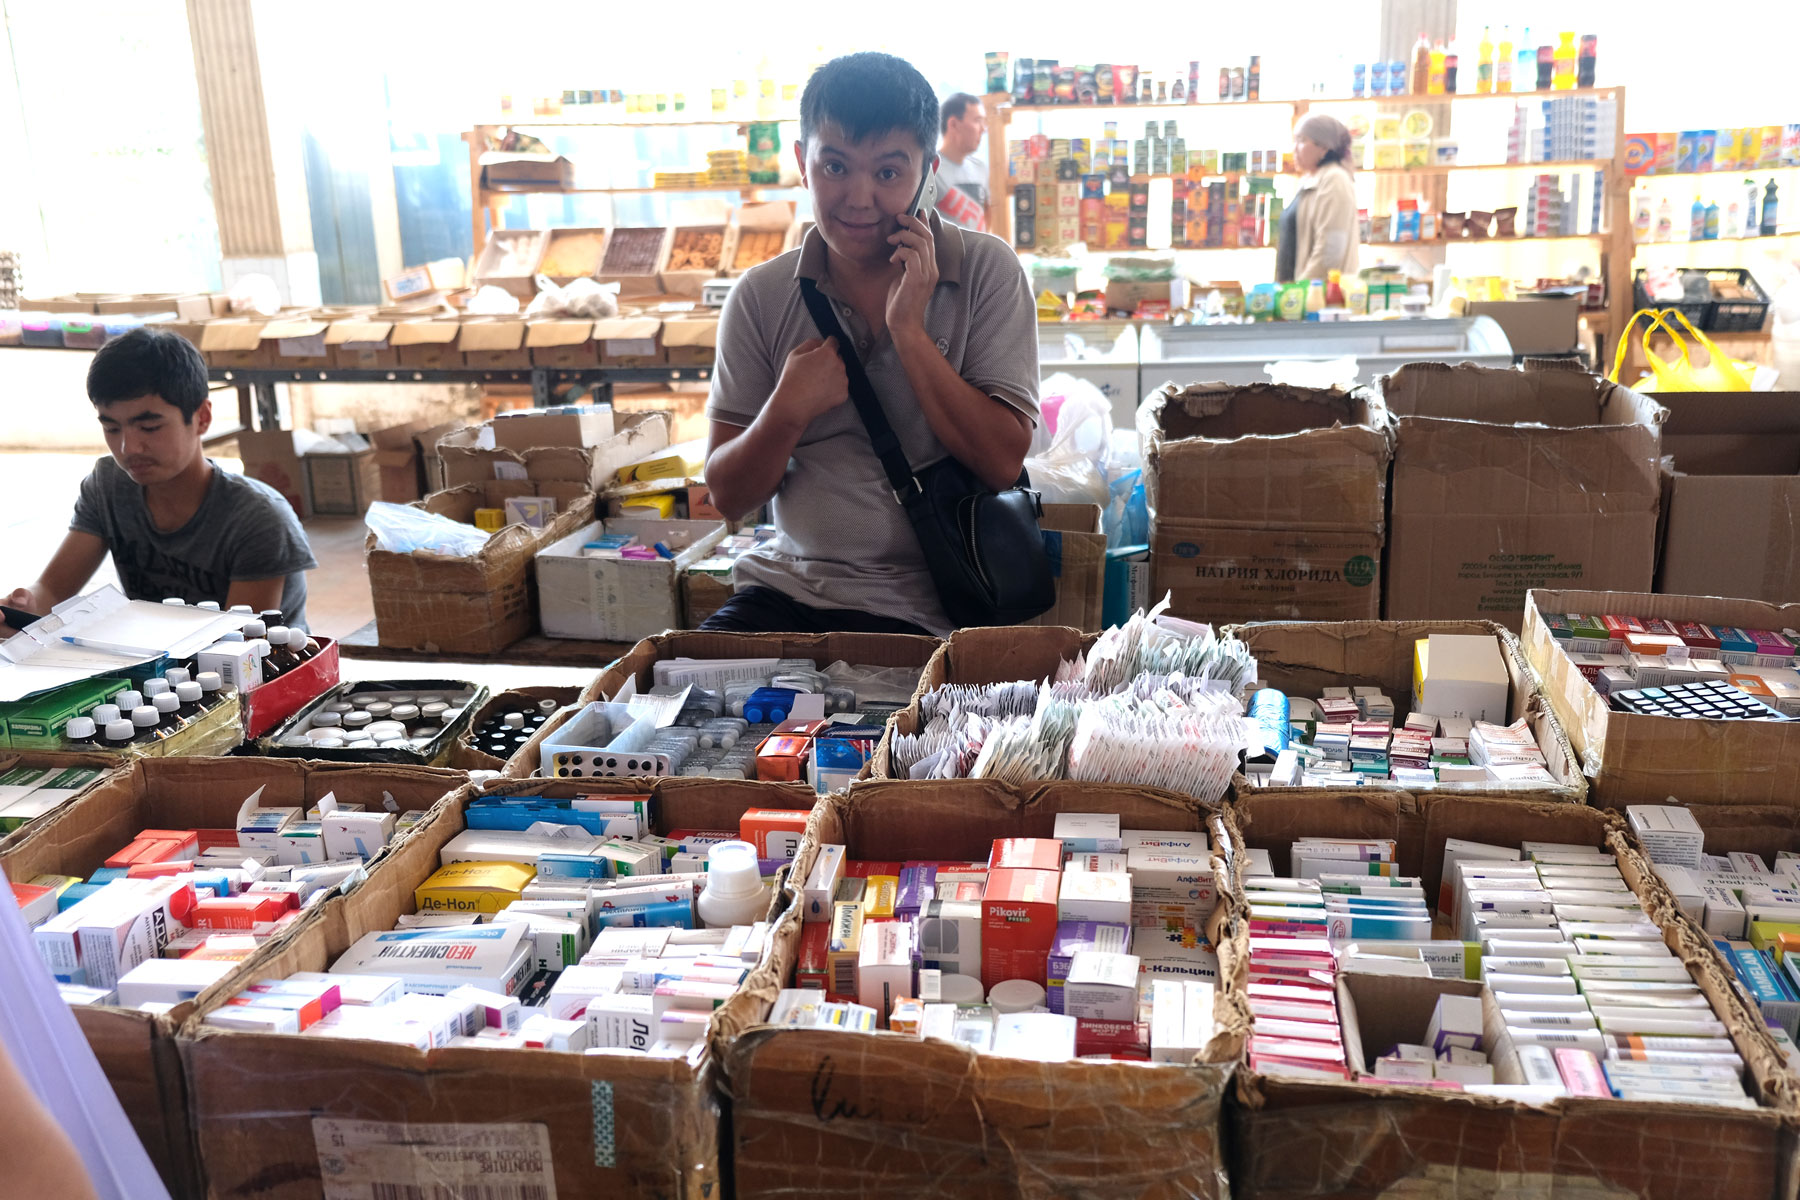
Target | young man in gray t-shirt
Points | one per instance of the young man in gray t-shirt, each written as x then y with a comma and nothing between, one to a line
175,523
944,323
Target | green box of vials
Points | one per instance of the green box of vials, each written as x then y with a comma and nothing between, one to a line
37,723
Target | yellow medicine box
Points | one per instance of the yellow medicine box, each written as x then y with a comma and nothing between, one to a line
473,887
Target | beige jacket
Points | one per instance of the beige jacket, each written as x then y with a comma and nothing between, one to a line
1327,239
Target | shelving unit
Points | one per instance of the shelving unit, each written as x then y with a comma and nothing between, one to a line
1616,246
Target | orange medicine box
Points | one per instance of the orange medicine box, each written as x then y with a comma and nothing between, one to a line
1026,854
1018,924
157,845
783,759
813,968
775,832
239,912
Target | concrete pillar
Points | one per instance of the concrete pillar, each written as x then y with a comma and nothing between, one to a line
254,151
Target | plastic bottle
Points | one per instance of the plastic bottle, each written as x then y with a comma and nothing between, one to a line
1752,208
1697,221
1769,210
1731,225
734,892
1450,74
1503,61
1434,80
1564,61
80,734
1665,221
1641,219
1315,296
1484,64
1546,67
1586,60
1421,66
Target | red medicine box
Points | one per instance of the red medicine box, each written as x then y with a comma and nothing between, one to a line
1026,854
1018,924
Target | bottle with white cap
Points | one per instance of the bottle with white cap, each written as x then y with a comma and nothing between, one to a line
155,687
243,608
168,719
177,675
128,699
144,720
189,694
118,734
212,686
80,734
281,653
176,601
266,669
734,892
210,605
104,715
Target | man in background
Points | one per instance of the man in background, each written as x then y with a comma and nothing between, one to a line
964,172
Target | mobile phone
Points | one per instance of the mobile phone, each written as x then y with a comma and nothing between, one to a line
925,199
18,618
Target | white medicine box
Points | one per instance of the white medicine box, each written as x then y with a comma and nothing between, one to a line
619,599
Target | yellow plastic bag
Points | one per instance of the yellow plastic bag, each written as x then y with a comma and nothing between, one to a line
1720,374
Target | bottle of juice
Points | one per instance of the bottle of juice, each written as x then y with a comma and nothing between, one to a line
1434,83
1484,63
1450,74
1527,62
1421,66
1564,62
1584,63
1503,61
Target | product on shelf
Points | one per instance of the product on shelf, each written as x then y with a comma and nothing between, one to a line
696,250
633,251
1650,666
756,246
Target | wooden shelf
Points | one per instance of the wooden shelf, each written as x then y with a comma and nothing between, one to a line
1459,97
1511,241
1019,110
1721,174
565,123
637,191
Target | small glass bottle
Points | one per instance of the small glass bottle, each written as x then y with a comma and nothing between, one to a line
80,734
144,722
155,687
191,697
212,686
177,676
104,715
118,734
128,699
168,705
280,651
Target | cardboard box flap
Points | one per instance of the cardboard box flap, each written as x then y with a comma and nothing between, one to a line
1222,411
231,335
691,331
557,333
766,215
424,333
293,327
626,328
1546,393
491,335
1732,433
1071,518
357,330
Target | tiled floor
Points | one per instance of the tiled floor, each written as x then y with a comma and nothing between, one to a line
37,492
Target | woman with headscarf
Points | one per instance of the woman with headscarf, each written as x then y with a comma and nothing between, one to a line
1319,229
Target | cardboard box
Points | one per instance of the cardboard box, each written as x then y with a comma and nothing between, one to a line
619,600
661,1112
1071,1127
428,441
528,172
235,342
691,341
465,756
862,649
137,1050
1077,550
269,455
297,342
759,224
572,253
679,281
1304,658
1636,759
477,605
561,342
1266,501
361,342
1509,480
630,341
462,459
426,343
1387,1137
1535,324
1731,526
398,460
342,485
702,595
509,259
588,426
494,342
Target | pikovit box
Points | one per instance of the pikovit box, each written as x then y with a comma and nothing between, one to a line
1732,523
1267,501
1509,480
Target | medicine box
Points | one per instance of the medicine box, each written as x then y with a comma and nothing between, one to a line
619,599
1018,924
1460,675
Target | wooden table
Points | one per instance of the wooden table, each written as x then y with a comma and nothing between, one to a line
535,651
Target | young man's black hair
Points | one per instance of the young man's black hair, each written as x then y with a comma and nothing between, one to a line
954,106
149,362
870,93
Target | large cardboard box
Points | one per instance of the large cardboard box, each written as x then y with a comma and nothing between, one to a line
579,427
1304,658
636,436
619,599
494,342
426,344
691,341
466,755
235,342
477,605
107,763
630,341
362,343
343,485
1535,324
269,455
702,595
1266,501
817,1114
562,343
397,456
1732,519
586,1124
297,342
1076,545
1509,480
1633,759
857,649
137,1049
1292,1138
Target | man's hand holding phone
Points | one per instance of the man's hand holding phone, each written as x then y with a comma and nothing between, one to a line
908,295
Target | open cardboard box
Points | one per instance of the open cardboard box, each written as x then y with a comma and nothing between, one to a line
494,342
465,755
297,342
107,763
599,1124
137,1049
1295,1137
234,342
634,256
562,342
426,343
510,259
361,342
704,222
636,436
619,599
691,339
630,341
762,234
814,1109
572,253
1076,543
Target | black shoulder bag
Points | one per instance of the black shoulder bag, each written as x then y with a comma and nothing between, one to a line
984,548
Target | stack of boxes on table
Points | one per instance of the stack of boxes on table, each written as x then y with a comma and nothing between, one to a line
1089,944
1347,737
1647,664
1587,999
553,924
175,910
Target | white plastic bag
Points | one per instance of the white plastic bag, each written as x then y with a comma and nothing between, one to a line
1072,469
253,295
583,297
402,529
493,301
1314,373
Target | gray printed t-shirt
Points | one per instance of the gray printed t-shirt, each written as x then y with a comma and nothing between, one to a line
242,530
842,539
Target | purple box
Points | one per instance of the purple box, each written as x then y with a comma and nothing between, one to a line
1071,938
918,883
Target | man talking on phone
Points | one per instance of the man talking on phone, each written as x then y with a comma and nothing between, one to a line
944,324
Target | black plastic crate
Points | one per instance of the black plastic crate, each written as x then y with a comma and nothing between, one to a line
1695,311
1713,316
